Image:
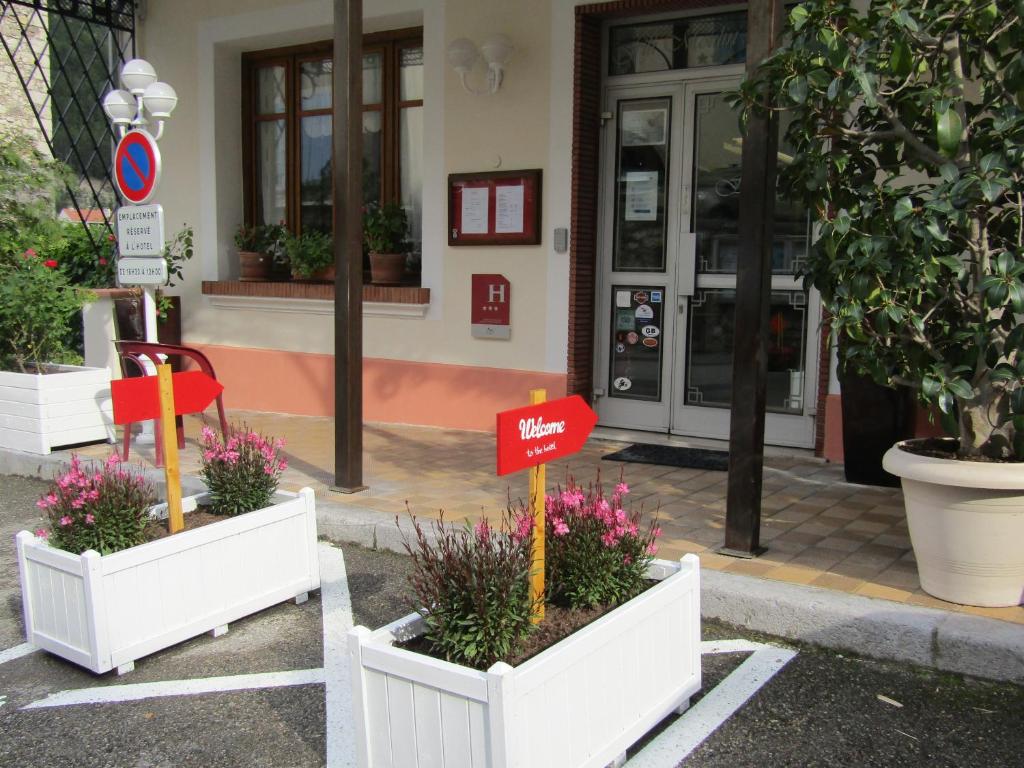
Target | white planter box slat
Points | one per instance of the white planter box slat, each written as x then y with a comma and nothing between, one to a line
579,704
41,412
105,612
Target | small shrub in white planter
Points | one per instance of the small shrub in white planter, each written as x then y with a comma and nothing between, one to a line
120,600
604,685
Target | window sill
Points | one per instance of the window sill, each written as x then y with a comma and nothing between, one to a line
315,298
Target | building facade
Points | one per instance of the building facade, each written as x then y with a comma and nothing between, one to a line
626,297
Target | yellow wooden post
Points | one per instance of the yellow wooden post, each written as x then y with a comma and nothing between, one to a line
537,480
175,519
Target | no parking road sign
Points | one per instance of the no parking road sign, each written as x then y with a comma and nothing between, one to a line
137,166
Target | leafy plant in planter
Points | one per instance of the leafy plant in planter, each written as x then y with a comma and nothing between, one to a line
242,472
908,129
385,237
129,596
474,607
908,126
37,307
105,510
254,264
311,254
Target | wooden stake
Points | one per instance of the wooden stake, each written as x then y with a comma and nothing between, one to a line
537,483
169,436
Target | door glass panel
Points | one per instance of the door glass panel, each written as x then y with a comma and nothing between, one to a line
716,184
678,44
641,186
315,84
637,323
271,158
315,150
709,380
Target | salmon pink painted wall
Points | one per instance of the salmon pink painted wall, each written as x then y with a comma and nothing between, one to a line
395,391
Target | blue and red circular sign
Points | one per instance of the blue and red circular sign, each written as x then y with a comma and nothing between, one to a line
137,166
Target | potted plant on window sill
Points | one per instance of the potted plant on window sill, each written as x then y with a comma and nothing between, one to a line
47,398
385,237
643,654
311,255
96,592
909,137
253,263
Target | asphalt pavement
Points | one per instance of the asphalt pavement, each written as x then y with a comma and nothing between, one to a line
821,708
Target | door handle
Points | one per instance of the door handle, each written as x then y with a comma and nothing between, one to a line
687,278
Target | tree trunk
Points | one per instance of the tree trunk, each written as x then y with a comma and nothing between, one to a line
980,434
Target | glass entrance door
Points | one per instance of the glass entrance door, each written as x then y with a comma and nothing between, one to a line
668,279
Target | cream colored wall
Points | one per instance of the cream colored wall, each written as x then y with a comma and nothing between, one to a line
195,45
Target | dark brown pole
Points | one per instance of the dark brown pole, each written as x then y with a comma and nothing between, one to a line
348,246
753,293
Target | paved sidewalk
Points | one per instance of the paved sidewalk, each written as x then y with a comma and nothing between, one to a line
819,529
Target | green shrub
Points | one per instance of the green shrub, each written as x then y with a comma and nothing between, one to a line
105,510
595,551
473,590
241,473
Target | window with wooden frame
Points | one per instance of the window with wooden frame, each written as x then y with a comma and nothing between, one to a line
287,114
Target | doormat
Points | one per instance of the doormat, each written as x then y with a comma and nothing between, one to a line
672,456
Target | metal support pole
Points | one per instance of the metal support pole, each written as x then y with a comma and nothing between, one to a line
348,247
753,295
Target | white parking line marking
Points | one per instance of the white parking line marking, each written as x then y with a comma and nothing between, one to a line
687,733
17,652
729,646
336,604
136,691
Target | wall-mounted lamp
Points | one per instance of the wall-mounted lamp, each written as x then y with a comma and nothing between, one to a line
495,51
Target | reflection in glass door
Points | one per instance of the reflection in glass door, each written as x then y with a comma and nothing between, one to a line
704,354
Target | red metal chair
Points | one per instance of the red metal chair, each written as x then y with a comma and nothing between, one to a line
136,353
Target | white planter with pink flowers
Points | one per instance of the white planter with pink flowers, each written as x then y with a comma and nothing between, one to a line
103,612
579,704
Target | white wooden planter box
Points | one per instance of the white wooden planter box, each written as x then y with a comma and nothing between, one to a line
41,411
579,704
106,611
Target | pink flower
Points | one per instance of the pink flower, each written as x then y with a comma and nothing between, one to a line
65,521
42,533
50,263
652,548
29,253
621,489
89,519
482,531
78,503
656,532
208,434
626,560
112,461
282,465
103,262
561,529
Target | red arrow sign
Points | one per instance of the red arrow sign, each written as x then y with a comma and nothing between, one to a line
138,399
540,433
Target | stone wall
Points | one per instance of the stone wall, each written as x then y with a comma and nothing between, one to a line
16,111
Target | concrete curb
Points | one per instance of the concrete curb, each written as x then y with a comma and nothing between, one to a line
928,637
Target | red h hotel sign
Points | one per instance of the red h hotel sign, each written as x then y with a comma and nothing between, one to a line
492,301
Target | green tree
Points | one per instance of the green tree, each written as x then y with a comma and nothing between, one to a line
908,129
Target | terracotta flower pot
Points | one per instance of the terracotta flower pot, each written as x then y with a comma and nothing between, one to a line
254,267
387,268
325,275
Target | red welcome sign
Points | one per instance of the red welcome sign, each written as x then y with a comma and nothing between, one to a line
138,399
537,434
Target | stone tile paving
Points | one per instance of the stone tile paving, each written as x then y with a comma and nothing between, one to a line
818,529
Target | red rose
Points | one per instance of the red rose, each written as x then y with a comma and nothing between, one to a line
103,261
51,263
30,252
111,238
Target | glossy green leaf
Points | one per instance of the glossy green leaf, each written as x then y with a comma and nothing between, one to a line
948,129
904,207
